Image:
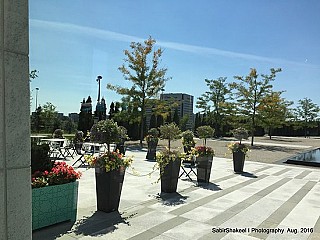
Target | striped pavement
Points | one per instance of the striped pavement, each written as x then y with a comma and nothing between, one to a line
268,201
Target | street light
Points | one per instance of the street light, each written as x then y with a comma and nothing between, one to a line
37,89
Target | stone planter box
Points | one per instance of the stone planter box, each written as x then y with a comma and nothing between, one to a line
54,204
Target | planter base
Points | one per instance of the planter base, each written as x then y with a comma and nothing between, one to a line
238,161
108,189
169,178
54,204
204,165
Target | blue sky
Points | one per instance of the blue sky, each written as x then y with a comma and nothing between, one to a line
74,41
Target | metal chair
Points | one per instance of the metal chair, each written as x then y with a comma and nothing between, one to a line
81,153
188,167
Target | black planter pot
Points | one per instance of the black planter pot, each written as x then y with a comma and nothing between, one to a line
152,150
108,189
204,164
238,161
169,177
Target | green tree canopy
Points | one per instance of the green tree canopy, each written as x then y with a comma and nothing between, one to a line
307,112
141,68
215,102
273,111
250,91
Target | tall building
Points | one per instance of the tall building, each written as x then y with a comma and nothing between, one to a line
185,105
85,116
101,110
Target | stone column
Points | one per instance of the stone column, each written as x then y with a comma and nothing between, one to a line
15,190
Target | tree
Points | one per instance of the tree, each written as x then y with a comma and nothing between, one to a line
249,93
49,116
205,132
214,102
111,111
170,131
307,112
183,122
273,111
36,120
141,67
176,118
153,121
197,121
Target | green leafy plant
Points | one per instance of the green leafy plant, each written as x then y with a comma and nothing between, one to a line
109,161
58,133
238,147
105,131
205,132
40,160
239,133
187,139
170,132
153,135
78,137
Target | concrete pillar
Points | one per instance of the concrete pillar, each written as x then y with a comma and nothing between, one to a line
15,190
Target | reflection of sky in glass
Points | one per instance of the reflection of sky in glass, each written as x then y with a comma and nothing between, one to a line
312,156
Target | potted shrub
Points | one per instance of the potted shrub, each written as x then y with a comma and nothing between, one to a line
109,167
187,141
78,140
58,133
204,155
121,140
238,149
54,189
169,161
152,140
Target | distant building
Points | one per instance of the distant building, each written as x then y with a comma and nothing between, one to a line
85,116
60,115
74,117
185,105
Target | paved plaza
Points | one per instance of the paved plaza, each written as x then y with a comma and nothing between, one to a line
268,201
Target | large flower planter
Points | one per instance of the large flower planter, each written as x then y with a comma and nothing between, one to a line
169,177
152,149
238,161
108,189
204,164
54,204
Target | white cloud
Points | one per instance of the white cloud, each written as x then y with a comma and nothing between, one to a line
109,35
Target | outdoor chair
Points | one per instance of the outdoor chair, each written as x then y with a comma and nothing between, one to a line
56,150
188,168
80,153
69,149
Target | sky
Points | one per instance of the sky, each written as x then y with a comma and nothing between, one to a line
72,42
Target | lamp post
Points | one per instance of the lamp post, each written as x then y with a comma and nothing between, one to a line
37,89
98,80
